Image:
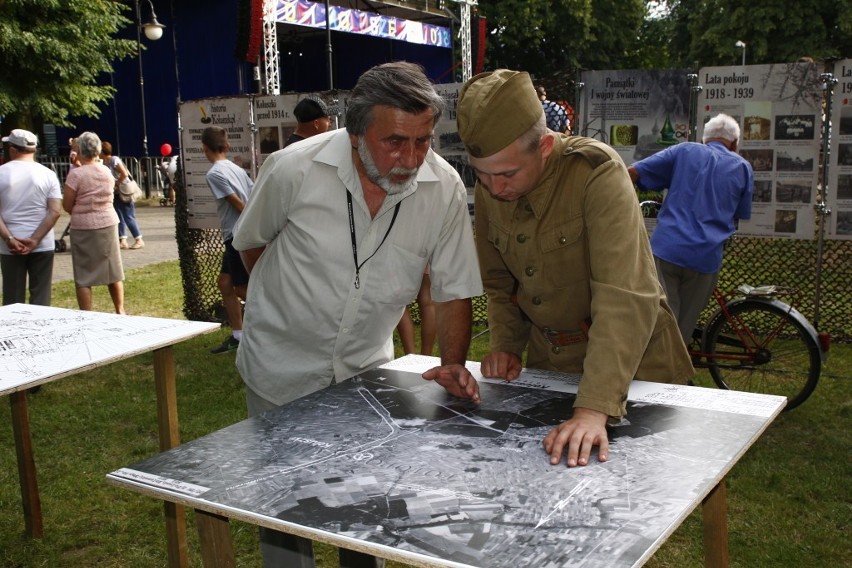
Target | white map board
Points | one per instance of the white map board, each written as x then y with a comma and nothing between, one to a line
42,343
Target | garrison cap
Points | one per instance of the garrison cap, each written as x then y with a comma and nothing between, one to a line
495,109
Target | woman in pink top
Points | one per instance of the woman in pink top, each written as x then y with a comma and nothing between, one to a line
95,255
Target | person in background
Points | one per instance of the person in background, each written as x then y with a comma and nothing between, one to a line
565,262
73,160
313,118
126,211
337,234
554,114
30,201
231,186
95,253
406,327
709,190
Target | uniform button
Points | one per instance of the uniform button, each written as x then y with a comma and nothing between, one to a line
345,330
521,238
555,349
536,301
562,240
529,271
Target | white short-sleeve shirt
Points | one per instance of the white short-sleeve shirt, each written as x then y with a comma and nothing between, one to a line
306,323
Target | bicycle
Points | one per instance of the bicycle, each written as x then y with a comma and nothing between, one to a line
754,342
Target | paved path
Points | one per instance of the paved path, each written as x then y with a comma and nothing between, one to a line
158,231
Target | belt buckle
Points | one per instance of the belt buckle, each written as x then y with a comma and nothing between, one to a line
549,335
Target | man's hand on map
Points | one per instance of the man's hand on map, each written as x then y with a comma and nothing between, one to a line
501,365
456,379
584,430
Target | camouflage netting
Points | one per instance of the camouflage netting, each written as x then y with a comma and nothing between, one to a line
748,260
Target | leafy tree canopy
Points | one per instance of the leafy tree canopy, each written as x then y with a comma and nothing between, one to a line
51,54
555,39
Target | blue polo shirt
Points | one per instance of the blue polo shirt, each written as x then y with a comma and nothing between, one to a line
710,188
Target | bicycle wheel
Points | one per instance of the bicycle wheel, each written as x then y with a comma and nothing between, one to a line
761,348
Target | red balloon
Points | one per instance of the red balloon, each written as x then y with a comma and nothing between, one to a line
166,150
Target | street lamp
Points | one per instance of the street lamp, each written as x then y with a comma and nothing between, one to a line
153,31
741,44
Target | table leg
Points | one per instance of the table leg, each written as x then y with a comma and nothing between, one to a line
217,548
715,513
167,422
26,464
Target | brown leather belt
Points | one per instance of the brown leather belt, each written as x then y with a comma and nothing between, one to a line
563,337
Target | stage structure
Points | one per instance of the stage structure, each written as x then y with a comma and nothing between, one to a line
392,22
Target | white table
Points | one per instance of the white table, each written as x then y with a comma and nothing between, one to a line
391,465
40,344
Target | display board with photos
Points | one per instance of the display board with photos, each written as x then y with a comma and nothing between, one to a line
839,192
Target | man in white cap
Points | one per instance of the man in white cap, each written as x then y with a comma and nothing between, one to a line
30,202
565,262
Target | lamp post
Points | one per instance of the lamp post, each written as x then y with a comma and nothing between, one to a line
153,31
741,44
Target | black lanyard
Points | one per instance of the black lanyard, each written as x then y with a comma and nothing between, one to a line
355,246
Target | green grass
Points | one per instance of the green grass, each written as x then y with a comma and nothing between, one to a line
789,498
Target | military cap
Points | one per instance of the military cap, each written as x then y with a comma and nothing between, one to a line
495,109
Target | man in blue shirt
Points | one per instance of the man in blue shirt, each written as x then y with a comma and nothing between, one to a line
554,114
709,189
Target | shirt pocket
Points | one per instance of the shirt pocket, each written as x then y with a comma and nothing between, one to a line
564,253
498,237
401,282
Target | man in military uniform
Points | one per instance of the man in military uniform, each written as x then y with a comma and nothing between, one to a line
565,261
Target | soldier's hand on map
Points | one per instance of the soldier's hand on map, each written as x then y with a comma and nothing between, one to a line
501,365
586,429
456,379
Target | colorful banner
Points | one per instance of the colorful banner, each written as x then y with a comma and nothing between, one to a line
313,15
779,110
232,114
839,194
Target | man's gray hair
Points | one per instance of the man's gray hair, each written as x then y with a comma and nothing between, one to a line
722,126
89,145
401,85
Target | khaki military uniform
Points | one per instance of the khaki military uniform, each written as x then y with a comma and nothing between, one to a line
569,274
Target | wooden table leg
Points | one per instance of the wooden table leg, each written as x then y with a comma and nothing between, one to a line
167,422
26,464
715,513
214,533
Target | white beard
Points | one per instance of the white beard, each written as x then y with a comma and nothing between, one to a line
384,181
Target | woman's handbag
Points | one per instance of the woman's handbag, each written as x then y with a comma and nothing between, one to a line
129,191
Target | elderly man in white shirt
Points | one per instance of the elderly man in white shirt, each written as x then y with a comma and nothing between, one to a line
336,235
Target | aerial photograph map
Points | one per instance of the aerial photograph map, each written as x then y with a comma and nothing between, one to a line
392,461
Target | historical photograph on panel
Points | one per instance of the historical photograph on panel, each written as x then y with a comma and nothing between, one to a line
845,121
795,127
785,221
762,191
760,160
393,461
844,155
793,191
794,159
844,223
757,120
844,187
269,141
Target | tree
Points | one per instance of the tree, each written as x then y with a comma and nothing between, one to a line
704,32
51,54
554,39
